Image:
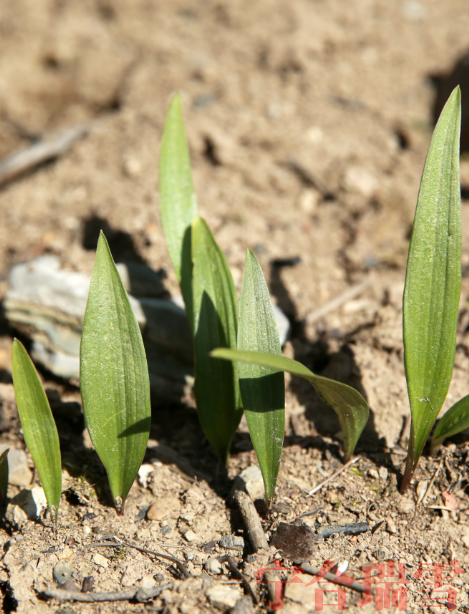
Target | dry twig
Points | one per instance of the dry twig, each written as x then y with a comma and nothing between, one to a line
132,593
333,476
41,152
239,576
251,520
330,577
181,567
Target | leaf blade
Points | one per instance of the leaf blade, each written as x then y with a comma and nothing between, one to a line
262,388
215,306
433,281
178,205
37,421
349,405
455,420
114,376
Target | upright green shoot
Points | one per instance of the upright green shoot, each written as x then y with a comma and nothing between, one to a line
39,430
262,388
215,324
433,283
115,386
178,205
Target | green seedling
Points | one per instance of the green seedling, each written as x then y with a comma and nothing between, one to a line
206,285
39,430
215,306
349,405
178,205
114,379
4,476
433,283
262,388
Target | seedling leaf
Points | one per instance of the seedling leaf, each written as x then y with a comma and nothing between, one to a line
39,430
4,475
262,388
178,206
433,282
215,304
453,422
114,376
351,408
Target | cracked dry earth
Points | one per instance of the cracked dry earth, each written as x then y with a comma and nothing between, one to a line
308,123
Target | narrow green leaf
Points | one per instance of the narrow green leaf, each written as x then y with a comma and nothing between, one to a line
262,388
178,206
39,430
351,408
453,422
4,475
115,386
433,282
215,324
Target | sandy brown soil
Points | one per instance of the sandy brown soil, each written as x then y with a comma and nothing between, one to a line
308,124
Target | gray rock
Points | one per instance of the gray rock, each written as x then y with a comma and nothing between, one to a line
63,572
48,303
232,542
19,473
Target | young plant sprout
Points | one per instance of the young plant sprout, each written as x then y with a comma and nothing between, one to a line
114,381
433,283
262,388
39,430
206,284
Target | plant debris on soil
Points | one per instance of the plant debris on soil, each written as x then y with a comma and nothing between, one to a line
308,124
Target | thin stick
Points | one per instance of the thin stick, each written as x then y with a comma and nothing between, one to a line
132,593
177,562
41,152
251,520
332,477
338,301
237,574
318,509
432,481
330,577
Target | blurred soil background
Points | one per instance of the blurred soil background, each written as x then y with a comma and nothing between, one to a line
308,123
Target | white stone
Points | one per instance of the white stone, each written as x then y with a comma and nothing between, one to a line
190,536
144,474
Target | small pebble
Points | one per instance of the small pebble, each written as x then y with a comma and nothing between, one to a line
232,542
190,536
163,508
100,560
88,584
165,529
213,566
63,571
383,473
